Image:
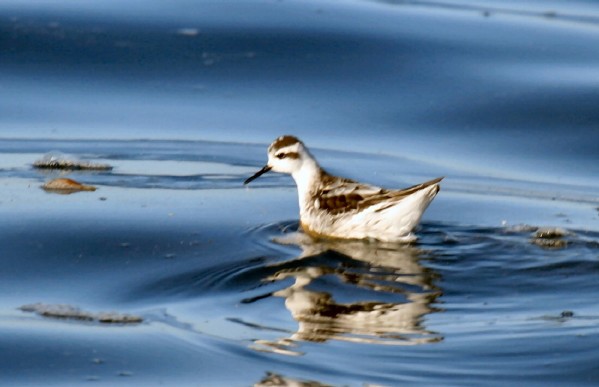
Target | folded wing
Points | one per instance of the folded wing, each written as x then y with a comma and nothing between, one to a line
338,196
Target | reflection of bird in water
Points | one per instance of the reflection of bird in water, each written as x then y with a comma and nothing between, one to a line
384,271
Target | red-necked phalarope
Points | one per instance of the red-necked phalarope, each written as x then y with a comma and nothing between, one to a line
336,207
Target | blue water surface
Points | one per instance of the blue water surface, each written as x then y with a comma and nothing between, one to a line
509,89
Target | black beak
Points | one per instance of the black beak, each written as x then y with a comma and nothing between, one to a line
261,172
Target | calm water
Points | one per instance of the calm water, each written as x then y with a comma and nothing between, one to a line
183,97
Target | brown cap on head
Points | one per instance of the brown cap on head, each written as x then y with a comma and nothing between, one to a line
282,142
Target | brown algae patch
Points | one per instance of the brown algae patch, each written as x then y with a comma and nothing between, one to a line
59,161
66,186
550,243
69,312
550,237
551,233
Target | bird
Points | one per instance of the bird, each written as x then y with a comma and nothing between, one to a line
339,208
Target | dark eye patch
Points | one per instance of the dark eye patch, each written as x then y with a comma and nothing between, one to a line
288,155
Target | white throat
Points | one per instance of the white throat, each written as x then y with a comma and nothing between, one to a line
306,179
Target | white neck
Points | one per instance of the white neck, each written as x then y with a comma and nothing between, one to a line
305,179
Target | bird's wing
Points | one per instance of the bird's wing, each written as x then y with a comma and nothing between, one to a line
398,195
338,195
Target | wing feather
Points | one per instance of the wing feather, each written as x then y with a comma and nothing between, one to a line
339,195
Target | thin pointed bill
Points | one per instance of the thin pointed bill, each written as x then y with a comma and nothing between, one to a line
261,172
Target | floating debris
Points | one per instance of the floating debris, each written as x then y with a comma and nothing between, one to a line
60,161
551,233
518,228
117,318
550,238
567,314
66,186
69,312
564,316
273,379
58,311
550,243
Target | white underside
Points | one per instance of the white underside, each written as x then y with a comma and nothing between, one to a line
393,224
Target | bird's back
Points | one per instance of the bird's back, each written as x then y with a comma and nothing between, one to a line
343,208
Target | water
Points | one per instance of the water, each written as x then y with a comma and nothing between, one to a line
182,100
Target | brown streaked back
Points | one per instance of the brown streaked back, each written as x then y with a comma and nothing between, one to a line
363,197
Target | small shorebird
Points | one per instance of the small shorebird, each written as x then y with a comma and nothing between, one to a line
336,207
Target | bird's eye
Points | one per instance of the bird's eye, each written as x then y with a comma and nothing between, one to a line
281,156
